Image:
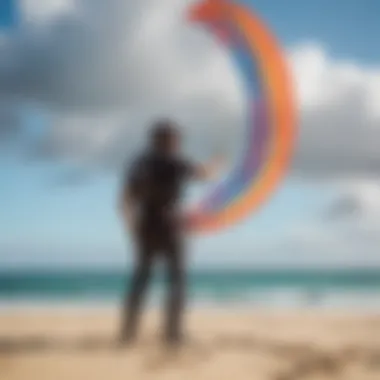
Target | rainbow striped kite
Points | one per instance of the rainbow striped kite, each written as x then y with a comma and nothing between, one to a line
271,120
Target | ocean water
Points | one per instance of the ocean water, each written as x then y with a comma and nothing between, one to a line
358,289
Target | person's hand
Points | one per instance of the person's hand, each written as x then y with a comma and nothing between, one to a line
128,218
213,168
186,223
188,220
130,223
220,161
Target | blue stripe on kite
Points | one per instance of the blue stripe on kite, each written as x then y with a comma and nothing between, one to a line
248,167
227,189
241,176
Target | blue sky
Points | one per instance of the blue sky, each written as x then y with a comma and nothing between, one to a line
348,30
44,223
7,13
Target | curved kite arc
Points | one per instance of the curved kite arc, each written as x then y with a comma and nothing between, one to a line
271,116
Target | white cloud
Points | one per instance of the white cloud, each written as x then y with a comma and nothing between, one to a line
136,59
348,231
103,69
345,234
40,11
340,119
115,65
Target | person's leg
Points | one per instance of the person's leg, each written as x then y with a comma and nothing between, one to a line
176,285
135,296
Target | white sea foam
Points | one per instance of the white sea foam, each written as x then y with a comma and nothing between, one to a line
365,300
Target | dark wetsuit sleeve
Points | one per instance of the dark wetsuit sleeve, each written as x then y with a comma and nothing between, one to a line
188,169
134,178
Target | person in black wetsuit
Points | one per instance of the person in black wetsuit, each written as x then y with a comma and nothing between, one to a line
151,208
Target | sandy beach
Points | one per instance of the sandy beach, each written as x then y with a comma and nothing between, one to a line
63,344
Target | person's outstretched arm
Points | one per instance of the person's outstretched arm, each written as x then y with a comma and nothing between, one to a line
129,195
209,170
127,210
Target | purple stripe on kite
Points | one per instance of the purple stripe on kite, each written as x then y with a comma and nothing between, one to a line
255,154
248,168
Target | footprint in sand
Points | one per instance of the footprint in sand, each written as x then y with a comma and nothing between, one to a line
189,356
373,360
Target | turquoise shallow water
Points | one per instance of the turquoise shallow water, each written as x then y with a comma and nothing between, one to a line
352,288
